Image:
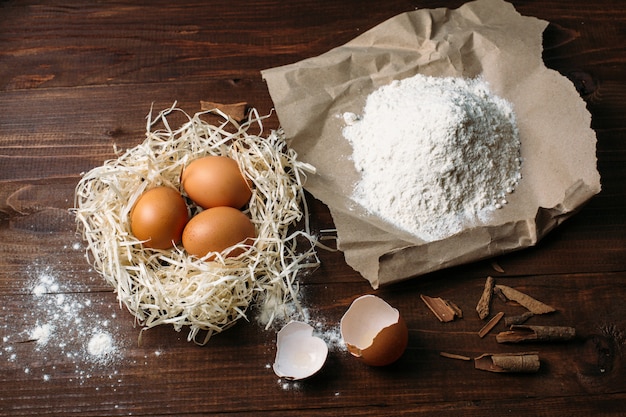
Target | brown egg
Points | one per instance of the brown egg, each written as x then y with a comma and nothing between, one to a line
374,331
216,229
159,217
214,181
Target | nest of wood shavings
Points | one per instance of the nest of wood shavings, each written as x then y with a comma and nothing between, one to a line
170,287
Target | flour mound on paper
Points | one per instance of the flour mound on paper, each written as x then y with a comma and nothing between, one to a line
435,154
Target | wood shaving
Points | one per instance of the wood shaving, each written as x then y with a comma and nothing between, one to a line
169,287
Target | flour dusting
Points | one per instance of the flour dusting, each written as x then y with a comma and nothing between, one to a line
101,347
435,154
60,323
41,334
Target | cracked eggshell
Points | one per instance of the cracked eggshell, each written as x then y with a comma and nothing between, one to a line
374,331
299,354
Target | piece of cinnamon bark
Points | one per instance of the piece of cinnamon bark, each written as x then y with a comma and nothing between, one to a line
532,305
444,310
482,308
526,362
490,325
519,319
236,111
525,333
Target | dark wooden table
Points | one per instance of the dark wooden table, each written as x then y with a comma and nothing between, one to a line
77,80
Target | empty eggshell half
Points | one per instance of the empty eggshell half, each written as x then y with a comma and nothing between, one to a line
374,331
299,354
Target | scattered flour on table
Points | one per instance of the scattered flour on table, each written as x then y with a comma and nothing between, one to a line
60,324
41,334
277,314
101,347
435,154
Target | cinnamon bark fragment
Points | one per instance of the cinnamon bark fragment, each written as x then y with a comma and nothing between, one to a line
236,111
519,319
496,267
490,324
498,293
482,308
525,362
457,310
455,356
525,333
532,305
444,310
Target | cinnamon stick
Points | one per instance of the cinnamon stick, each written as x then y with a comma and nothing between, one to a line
490,324
532,305
455,356
457,310
482,308
444,310
496,266
519,319
525,333
498,293
526,362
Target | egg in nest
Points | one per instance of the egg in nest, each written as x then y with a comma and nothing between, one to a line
213,181
217,229
159,217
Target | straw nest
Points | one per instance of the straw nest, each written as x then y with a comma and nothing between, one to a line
170,287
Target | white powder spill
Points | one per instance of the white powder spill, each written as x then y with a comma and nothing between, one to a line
60,323
39,290
274,313
41,334
102,347
330,335
278,315
287,385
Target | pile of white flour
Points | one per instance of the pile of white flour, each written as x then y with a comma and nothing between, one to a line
435,155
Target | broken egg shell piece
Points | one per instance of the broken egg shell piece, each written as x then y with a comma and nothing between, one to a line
299,354
374,331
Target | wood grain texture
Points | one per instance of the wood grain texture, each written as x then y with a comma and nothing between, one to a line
77,80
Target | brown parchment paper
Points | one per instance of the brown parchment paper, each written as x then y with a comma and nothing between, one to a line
487,38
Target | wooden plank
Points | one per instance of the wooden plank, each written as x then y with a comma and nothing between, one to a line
77,80
236,363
